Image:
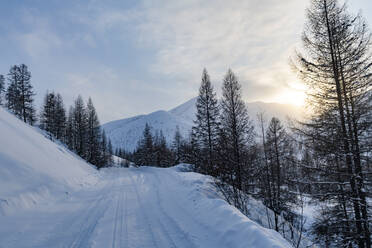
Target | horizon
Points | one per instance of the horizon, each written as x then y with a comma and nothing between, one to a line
137,57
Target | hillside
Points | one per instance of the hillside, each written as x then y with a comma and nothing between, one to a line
125,133
33,168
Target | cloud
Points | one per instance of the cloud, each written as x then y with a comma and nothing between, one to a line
243,35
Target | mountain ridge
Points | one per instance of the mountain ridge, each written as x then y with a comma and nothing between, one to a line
125,133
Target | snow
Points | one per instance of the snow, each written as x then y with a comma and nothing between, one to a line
125,133
32,167
51,198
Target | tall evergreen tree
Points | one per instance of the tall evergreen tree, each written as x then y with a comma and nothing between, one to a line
93,134
19,94
280,155
60,118
80,124
235,142
104,152
48,114
236,125
145,149
177,146
2,88
206,124
70,131
336,66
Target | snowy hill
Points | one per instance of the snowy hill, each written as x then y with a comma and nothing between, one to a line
125,133
51,198
32,168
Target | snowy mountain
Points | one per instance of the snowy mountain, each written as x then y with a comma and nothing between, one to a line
125,133
51,198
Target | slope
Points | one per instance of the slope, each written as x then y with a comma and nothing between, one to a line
33,168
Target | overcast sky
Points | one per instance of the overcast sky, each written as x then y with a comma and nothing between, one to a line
134,57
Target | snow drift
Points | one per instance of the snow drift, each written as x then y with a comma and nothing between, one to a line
33,168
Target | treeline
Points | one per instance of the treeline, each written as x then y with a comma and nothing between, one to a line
79,128
153,150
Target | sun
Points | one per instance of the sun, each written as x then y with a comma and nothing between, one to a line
291,96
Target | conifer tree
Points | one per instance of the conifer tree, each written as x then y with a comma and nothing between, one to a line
2,88
93,134
80,124
60,119
20,95
235,141
280,156
177,146
336,67
70,131
206,124
104,152
145,149
48,114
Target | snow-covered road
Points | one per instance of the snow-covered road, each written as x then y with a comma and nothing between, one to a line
145,207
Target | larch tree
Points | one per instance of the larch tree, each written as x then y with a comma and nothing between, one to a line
80,123
93,134
20,94
2,88
206,124
235,137
336,66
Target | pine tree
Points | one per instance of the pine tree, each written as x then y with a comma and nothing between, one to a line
48,114
60,119
236,124
70,131
162,154
280,154
235,141
93,135
336,66
177,146
2,88
206,124
145,149
80,124
12,92
20,94
110,160
103,149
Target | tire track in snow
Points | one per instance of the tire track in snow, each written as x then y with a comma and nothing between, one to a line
124,219
88,223
116,221
184,236
142,210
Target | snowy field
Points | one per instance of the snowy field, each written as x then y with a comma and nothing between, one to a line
51,198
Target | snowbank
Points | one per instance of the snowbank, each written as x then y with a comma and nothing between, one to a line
33,168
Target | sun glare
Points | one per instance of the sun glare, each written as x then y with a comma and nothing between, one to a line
294,97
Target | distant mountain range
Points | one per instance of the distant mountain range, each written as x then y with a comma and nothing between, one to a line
125,133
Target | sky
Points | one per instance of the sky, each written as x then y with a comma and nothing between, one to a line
137,56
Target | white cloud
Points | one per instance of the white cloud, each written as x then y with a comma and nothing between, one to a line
251,37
